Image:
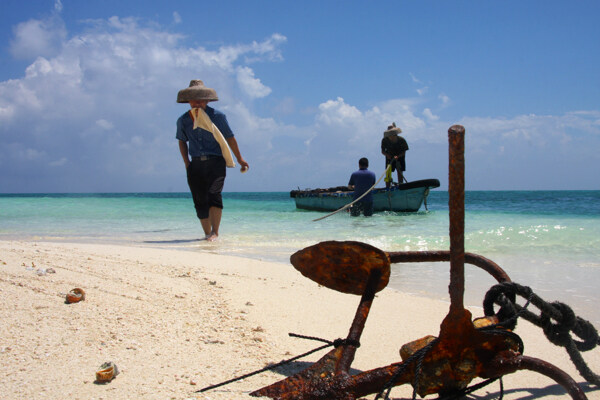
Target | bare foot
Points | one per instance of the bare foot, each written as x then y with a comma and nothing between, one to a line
212,237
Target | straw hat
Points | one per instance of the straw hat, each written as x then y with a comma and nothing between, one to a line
196,91
392,130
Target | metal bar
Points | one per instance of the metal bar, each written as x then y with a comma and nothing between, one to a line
506,365
358,324
456,204
554,373
444,255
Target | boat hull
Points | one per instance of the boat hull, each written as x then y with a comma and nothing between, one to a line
407,197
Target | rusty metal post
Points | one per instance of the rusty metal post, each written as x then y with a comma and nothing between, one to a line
456,204
358,325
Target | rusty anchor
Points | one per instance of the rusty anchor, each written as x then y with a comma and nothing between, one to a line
445,364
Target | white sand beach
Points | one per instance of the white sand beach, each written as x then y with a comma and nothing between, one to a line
176,321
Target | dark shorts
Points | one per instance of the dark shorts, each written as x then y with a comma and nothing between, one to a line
362,207
400,163
206,179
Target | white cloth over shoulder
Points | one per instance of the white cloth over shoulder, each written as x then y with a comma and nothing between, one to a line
202,120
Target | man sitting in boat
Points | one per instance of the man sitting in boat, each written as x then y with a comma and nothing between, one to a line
394,147
361,181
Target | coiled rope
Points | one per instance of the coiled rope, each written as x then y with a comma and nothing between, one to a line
558,333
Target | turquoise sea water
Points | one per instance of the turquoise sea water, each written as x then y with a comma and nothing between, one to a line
548,240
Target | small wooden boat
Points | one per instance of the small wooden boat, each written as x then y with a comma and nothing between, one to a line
406,197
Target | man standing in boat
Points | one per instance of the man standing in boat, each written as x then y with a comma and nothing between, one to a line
394,147
361,181
211,143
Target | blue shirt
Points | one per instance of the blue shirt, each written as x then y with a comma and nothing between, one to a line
362,180
202,142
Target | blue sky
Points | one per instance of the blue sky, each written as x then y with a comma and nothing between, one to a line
88,89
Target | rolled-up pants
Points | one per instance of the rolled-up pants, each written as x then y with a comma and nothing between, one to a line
206,176
366,207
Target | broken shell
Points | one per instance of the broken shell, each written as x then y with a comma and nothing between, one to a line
107,372
75,295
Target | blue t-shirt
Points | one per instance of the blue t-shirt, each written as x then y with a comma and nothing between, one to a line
362,180
202,142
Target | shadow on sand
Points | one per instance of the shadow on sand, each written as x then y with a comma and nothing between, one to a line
531,393
298,366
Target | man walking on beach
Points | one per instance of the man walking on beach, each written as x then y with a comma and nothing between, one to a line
361,181
211,142
394,147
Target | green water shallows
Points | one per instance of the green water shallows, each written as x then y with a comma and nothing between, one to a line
549,240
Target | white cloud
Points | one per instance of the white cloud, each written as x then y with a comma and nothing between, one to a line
251,85
30,154
7,112
108,95
176,17
414,78
58,6
336,117
58,163
40,67
286,106
422,91
401,111
445,99
537,131
118,63
429,115
246,119
337,112
269,49
353,133
104,124
36,38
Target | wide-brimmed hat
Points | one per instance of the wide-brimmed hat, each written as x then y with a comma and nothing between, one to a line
392,130
196,91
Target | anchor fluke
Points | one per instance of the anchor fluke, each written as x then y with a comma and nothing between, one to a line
343,266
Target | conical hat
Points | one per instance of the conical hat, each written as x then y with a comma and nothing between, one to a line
196,91
392,130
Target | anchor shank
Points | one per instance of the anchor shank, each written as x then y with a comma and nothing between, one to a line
456,204
358,325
